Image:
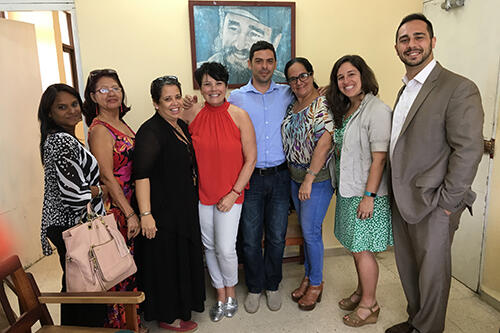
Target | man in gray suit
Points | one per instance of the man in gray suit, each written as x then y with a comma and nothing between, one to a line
436,146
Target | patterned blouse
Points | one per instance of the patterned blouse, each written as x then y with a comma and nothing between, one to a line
70,170
301,131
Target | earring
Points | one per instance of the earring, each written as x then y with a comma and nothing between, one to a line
121,109
96,110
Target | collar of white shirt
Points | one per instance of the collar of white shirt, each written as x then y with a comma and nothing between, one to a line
423,74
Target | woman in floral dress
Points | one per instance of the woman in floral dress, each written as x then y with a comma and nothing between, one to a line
112,142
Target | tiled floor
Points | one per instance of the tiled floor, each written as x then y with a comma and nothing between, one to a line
466,312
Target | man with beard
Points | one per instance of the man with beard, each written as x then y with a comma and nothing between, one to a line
238,31
436,145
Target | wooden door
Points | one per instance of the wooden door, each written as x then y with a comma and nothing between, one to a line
21,175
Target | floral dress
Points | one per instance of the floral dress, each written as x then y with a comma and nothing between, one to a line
373,234
122,170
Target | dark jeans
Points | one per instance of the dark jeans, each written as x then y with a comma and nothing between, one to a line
265,208
90,315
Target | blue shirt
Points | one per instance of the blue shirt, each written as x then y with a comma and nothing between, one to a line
267,111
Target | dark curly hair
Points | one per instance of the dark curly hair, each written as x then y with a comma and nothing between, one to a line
47,124
89,106
340,103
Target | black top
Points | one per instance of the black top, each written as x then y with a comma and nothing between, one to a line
169,164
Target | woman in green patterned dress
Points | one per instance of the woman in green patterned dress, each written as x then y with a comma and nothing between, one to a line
363,213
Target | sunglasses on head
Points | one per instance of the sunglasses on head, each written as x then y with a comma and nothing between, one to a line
168,78
102,71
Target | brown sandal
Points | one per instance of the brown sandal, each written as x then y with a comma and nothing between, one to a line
354,320
312,296
301,290
348,304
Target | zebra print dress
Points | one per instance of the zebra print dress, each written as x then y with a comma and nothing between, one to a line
70,170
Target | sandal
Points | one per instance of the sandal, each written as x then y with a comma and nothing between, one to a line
354,320
348,304
301,290
311,297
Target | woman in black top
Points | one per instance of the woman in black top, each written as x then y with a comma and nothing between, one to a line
71,181
169,252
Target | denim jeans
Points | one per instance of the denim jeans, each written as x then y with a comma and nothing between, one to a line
311,214
266,206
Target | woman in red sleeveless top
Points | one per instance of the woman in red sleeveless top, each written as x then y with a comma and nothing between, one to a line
224,142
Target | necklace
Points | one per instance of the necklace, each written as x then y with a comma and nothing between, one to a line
299,106
189,147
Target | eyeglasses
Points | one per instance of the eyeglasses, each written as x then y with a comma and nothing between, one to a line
102,71
302,77
168,78
107,90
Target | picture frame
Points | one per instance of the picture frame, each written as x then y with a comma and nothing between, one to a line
224,31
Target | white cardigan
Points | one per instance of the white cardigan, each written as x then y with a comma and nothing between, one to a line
368,130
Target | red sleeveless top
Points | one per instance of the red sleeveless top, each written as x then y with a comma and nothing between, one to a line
219,154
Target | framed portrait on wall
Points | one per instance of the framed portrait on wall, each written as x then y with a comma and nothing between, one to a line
224,31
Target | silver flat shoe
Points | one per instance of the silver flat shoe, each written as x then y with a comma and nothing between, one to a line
217,311
230,307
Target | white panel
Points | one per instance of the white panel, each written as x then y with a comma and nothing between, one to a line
468,44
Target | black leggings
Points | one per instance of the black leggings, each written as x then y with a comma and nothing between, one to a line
90,315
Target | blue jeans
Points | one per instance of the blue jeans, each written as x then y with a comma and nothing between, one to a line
266,206
311,214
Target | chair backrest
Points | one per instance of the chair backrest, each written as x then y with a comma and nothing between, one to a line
27,292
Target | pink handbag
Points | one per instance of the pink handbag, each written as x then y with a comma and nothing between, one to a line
97,257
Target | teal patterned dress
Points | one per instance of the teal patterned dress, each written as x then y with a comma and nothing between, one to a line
373,234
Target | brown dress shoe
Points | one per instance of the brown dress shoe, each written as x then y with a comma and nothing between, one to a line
403,327
301,290
312,296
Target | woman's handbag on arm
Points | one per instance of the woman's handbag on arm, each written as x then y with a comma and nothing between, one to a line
97,257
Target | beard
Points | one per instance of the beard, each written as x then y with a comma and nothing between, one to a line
426,52
237,69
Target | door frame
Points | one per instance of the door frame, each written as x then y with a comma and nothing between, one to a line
59,5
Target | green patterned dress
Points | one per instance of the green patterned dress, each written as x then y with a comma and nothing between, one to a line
373,234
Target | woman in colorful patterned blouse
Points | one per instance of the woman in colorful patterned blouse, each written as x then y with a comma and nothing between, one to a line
112,142
307,141
71,182
363,214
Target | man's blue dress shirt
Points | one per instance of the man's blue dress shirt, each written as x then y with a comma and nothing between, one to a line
267,112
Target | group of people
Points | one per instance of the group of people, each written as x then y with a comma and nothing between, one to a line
194,174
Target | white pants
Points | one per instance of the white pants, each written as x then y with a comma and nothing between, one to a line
218,233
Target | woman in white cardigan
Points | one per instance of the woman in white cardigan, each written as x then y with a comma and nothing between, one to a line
363,213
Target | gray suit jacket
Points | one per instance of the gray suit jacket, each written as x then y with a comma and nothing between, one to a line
436,156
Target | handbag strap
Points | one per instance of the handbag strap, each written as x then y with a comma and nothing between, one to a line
119,240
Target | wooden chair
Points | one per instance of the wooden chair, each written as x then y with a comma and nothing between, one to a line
294,237
32,303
